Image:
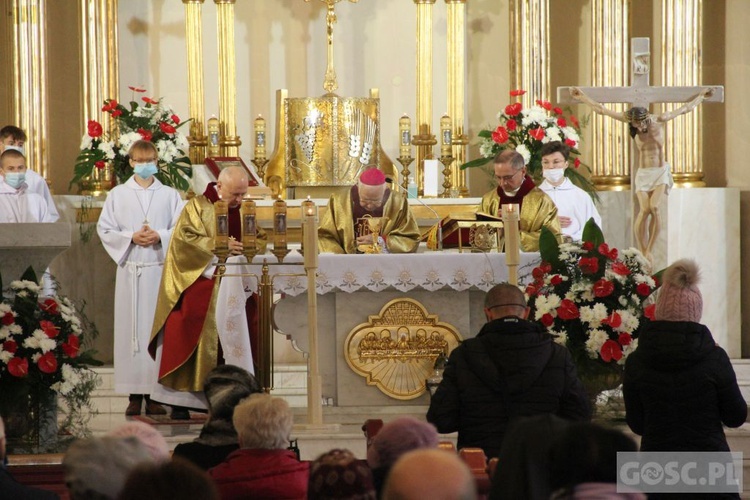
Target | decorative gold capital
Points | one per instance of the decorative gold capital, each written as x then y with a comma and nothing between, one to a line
192,1
455,1
217,2
431,2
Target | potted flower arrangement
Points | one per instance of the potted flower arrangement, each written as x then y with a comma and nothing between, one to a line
590,297
526,129
150,120
41,358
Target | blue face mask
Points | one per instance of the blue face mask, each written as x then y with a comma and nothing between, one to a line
145,170
15,179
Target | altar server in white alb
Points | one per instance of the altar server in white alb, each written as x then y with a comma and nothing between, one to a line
17,204
12,137
574,205
135,227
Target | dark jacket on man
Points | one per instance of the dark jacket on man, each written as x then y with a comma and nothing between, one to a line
679,388
512,368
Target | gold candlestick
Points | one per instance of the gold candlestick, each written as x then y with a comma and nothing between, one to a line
260,137
404,128
260,167
447,175
249,229
214,147
446,136
280,249
511,232
405,161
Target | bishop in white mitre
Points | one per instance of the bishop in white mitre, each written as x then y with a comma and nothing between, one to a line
135,227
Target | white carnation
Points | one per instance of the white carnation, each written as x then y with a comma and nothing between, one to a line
546,304
524,151
594,344
5,356
535,114
86,141
25,285
485,147
107,148
552,134
31,342
570,133
35,357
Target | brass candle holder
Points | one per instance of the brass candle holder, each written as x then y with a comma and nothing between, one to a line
405,161
447,174
260,167
249,229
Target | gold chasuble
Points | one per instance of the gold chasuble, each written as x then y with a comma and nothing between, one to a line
190,347
336,231
537,210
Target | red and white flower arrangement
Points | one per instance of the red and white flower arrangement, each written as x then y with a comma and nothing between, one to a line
591,298
526,130
149,120
41,348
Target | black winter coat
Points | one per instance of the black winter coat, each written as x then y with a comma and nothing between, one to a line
679,388
512,368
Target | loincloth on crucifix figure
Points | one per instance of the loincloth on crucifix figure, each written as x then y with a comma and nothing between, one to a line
653,177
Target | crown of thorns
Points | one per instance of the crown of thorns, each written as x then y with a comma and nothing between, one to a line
637,114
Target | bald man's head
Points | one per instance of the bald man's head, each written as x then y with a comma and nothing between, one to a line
232,185
435,474
505,300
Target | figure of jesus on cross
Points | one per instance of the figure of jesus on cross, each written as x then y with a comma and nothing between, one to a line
653,177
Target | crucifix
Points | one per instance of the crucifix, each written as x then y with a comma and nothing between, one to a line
651,177
330,83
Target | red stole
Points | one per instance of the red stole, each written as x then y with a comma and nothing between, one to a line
526,186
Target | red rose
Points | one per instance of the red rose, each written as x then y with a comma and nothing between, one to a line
567,310
500,135
574,121
50,306
95,129
513,109
588,265
649,310
511,125
137,89
611,350
603,288
557,111
555,280
547,319
116,112
10,346
176,119
145,134
109,105
167,128
148,100
18,367
49,328
576,163
8,318
625,339
643,290
537,273
537,133
614,320
517,92
100,164
47,363
587,245
570,142
620,269
72,346
545,104
562,123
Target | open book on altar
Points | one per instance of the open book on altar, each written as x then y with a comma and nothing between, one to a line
457,229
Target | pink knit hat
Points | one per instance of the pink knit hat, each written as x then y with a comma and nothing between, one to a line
679,298
399,436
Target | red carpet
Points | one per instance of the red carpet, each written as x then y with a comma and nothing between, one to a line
195,419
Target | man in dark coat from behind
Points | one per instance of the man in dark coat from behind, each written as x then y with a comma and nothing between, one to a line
511,369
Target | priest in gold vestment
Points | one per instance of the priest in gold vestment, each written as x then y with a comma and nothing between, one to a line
514,186
369,198
185,335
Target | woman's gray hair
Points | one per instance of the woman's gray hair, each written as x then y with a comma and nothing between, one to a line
97,468
263,422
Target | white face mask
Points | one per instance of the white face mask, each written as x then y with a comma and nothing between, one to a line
17,148
554,175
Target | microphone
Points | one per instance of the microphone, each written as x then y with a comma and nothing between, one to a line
437,215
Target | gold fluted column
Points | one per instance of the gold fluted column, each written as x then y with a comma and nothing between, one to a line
424,139
529,48
29,69
194,42
610,144
682,64
457,88
228,138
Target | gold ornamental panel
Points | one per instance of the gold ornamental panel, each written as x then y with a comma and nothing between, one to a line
330,140
396,349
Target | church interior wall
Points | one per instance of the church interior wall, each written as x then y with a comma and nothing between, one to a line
6,60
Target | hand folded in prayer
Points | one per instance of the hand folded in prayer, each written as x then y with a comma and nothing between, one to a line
565,221
145,237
